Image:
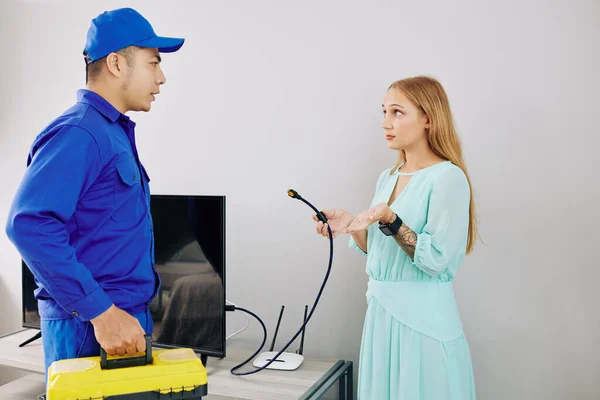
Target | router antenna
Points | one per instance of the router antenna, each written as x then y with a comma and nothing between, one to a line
277,328
303,330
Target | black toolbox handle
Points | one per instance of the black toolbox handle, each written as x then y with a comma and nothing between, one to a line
124,362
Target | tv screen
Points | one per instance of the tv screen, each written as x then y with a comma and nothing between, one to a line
189,251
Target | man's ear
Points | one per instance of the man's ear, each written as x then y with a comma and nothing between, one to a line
115,64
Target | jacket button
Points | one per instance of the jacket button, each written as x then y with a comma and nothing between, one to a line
75,313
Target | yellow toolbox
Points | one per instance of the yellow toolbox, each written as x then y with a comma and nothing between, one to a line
164,374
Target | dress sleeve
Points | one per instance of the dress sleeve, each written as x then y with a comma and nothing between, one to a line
444,236
352,244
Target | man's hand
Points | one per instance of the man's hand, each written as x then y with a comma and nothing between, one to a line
118,333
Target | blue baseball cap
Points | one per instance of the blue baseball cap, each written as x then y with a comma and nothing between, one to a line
114,30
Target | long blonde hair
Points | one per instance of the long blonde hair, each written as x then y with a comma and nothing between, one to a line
428,94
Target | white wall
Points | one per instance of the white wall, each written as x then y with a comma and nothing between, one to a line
267,95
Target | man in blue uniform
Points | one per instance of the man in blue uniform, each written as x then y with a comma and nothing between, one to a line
81,215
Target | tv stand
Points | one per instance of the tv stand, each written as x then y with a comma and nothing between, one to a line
313,380
31,339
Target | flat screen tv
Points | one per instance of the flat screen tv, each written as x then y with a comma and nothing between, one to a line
189,250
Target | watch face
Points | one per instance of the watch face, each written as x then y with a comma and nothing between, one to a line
386,230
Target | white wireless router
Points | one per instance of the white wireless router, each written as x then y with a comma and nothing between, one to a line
286,361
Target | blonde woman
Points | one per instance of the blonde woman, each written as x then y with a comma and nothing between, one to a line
415,235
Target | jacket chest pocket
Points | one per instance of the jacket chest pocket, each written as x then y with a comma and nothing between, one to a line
127,191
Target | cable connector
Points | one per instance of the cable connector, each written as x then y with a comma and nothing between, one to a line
321,216
229,307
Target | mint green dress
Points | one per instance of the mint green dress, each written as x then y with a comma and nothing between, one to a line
413,345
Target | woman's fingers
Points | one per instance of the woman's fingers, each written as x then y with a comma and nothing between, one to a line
351,227
357,225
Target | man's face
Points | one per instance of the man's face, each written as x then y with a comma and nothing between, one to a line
142,80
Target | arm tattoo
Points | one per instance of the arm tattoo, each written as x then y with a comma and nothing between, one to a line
406,239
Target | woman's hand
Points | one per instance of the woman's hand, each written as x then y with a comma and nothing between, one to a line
337,219
381,212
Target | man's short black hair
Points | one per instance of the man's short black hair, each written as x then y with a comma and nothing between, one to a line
92,70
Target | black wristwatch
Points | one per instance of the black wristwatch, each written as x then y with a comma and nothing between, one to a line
392,227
